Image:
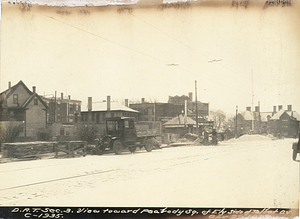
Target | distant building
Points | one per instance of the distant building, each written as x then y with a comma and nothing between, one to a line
156,111
20,105
285,122
180,125
202,108
99,111
165,111
62,114
63,110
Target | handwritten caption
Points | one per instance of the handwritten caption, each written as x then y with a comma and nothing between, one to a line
209,213
268,3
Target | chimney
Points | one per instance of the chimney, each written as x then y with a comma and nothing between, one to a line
279,107
89,116
69,97
89,103
289,107
108,103
62,96
257,109
9,85
191,96
33,89
248,108
143,100
126,102
274,109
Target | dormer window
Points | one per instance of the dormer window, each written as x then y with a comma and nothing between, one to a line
15,98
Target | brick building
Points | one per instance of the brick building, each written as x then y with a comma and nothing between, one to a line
285,122
166,111
63,109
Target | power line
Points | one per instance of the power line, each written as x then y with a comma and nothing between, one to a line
134,50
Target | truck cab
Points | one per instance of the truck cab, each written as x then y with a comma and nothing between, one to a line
122,128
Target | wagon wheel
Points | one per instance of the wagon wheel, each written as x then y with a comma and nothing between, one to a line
294,154
117,147
149,145
132,149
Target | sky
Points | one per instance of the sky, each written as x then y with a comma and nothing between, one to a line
134,52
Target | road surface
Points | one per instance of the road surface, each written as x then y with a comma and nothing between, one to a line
254,172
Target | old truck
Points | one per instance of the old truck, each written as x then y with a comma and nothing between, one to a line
121,133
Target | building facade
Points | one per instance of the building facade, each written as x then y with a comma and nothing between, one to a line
20,105
165,111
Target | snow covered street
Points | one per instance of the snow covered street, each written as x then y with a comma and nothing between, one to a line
254,172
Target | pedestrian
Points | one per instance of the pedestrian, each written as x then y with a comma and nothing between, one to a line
214,137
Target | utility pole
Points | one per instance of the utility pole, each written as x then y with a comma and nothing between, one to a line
236,111
55,107
259,118
252,102
197,131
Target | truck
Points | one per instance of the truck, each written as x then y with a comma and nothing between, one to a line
121,133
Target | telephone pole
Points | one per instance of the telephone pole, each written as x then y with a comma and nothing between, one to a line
236,112
197,131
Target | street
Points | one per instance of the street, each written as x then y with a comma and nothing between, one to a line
248,172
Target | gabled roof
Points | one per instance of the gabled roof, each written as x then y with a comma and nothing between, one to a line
278,115
294,114
31,98
11,90
248,115
180,120
114,106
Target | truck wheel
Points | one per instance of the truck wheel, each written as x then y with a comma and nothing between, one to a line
117,147
132,149
149,145
294,154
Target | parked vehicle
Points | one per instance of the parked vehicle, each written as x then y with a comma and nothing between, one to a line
296,146
121,133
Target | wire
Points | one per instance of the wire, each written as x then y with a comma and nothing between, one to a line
136,51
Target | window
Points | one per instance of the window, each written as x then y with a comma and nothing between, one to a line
15,98
131,124
35,101
62,131
126,124
112,115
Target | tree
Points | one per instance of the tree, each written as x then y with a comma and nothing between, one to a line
87,132
219,118
10,132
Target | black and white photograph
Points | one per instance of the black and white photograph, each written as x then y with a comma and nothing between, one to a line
150,109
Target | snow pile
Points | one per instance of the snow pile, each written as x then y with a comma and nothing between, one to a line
245,138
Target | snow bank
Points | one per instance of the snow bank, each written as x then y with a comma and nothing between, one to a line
245,138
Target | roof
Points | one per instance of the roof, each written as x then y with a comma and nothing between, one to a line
294,114
264,116
102,106
278,115
31,98
5,94
180,120
248,115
